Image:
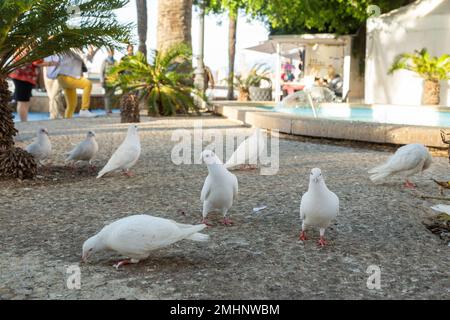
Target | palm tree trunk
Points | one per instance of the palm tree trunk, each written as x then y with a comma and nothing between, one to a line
14,162
174,23
231,52
141,6
7,129
431,92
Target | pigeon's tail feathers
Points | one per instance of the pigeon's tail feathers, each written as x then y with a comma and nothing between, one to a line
382,168
69,156
200,237
193,231
379,176
442,208
102,172
190,227
229,165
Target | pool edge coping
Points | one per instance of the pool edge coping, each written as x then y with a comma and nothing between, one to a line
371,132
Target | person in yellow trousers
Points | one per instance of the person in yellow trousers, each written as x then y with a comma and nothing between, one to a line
70,77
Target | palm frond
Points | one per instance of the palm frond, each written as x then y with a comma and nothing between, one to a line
166,84
34,29
422,63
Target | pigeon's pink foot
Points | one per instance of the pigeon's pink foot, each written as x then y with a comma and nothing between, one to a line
410,185
248,167
122,263
227,222
303,236
92,168
128,173
205,221
322,242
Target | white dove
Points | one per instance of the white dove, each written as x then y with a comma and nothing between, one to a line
444,208
319,206
41,148
407,160
85,151
126,155
248,152
220,188
136,236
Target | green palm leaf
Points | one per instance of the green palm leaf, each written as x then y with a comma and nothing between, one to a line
166,84
422,63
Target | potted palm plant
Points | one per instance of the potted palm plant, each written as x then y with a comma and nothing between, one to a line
431,69
166,84
34,29
250,86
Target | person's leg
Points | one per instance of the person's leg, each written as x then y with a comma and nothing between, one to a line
22,110
71,101
22,93
109,94
70,94
52,91
60,102
86,85
48,83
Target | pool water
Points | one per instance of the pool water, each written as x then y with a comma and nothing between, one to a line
423,116
39,116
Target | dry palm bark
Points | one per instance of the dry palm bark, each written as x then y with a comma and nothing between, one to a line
14,162
129,108
174,23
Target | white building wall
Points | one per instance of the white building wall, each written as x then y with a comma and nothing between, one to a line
424,24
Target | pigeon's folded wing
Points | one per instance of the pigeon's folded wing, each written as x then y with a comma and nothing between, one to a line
35,149
405,161
235,187
125,154
206,189
138,238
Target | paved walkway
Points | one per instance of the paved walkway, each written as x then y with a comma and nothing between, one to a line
45,222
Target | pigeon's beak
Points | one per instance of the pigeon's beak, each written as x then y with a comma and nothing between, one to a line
84,257
316,180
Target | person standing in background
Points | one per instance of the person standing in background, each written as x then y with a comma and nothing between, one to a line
130,51
24,79
53,89
107,64
70,71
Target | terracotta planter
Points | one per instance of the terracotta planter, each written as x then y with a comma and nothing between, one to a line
431,92
243,95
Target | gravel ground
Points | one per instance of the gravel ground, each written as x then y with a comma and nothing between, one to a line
45,222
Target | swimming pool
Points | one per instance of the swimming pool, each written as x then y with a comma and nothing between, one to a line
39,116
392,114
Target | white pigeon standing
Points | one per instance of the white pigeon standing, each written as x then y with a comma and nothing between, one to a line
41,148
318,207
126,155
248,152
136,236
85,150
220,188
407,160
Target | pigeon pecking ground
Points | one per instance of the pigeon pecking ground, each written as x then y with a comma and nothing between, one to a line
45,222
